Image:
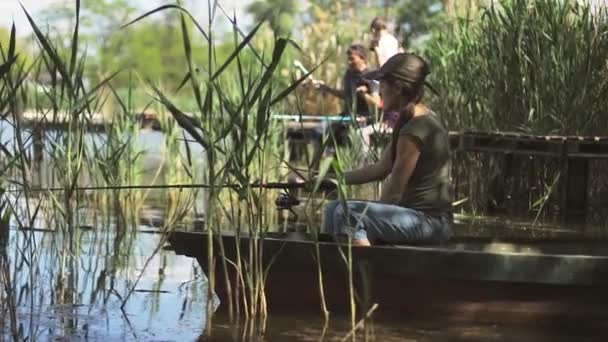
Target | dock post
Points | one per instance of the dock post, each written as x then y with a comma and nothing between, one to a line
575,197
38,145
497,188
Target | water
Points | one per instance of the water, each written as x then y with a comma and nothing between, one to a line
169,300
310,328
167,303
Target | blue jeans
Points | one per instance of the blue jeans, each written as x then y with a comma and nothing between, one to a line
380,222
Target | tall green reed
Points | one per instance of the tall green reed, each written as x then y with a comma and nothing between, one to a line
529,66
535,67
68,101
232,124
71,97
15,166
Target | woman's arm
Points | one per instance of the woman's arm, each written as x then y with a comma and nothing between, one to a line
370,173
408,152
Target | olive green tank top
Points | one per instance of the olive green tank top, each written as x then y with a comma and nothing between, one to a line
429,188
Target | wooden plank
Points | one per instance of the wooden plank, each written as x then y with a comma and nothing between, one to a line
587,148
524,144
575,205
96,122
512,144
38,144
497,194
543,263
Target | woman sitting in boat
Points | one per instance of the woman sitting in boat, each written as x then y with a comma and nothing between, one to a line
416,203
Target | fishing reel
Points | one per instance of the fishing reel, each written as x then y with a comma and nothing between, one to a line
286,201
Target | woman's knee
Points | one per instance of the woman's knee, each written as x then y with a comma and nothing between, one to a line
328,217
339,215
331,207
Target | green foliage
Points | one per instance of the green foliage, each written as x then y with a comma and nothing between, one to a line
533,66
280,14
324,36
418,18
5,35
20,44
152,50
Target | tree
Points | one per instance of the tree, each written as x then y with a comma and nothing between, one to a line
417,18
281,14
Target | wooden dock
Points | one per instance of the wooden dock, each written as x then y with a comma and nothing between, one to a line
535,145
574,153
95,122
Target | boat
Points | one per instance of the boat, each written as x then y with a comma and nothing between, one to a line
551,282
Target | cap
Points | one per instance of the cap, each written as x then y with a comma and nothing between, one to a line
404,67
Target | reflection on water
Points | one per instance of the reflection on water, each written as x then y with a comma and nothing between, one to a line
167,303
309,328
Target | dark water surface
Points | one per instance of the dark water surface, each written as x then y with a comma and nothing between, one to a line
294,327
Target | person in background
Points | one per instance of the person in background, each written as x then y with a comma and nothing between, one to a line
383,44
361,97
416,205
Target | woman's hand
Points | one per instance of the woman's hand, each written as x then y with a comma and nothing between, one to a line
323,183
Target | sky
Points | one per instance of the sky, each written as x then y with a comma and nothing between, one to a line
11,10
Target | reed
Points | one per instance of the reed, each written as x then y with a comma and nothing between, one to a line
529,66
18,166
64,153
232,125
7,300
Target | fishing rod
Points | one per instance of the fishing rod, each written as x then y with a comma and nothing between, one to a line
267,185
285,200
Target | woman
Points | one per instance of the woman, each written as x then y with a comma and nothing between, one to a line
416,204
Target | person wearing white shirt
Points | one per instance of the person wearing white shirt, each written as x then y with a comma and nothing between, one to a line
384,44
